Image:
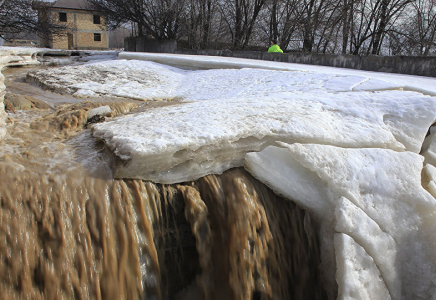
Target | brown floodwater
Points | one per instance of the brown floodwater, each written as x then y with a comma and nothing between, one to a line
68,230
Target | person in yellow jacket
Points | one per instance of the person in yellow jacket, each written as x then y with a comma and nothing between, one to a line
275,47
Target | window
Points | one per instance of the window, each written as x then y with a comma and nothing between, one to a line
96,19
97,37
62,17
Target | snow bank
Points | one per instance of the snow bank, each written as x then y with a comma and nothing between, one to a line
13,56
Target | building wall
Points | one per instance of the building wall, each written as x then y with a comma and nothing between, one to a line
85,40
81,28
60,42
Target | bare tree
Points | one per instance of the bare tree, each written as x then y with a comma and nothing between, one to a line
240,17
199,14
359,27
389,12
347,18
284,21
18,16
418,34
207,11
310,11
163,19
372,21
328,32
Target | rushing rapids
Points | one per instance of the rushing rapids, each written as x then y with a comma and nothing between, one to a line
69,230
355,150
228,236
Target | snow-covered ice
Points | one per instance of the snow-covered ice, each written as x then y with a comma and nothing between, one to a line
221,114
211,136
133,79
343,144
426,85
375,197
350,157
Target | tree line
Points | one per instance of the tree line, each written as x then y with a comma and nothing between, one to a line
358,27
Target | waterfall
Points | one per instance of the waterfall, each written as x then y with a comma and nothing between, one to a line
221,237
69,230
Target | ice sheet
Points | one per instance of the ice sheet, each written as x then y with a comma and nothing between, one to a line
140,80
426,85
373,195
351,153
223,114
358,277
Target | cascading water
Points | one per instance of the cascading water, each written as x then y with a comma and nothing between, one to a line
68,230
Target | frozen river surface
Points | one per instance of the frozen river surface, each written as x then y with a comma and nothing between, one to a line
348,146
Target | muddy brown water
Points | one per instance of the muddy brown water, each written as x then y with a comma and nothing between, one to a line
68,230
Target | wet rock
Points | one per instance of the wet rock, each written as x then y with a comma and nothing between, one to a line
95,119
17,102
69,119
9,107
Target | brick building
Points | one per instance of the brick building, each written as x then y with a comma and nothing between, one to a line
86,29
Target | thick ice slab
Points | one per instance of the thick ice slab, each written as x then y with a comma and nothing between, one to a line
227,113
189,140
379,245
373,195
358,277
241,110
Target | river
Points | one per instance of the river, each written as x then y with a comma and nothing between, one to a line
69,230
